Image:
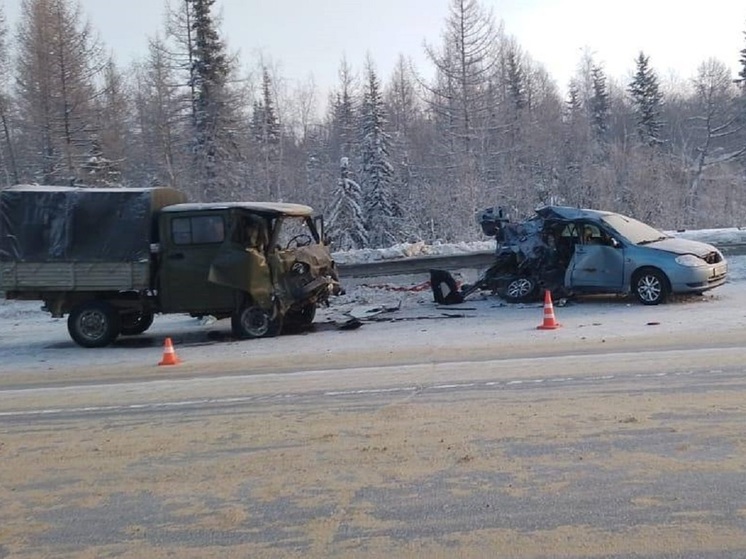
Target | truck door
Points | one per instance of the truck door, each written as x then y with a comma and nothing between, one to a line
241,263
596,263
189,244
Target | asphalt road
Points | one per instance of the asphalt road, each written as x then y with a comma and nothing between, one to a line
632,450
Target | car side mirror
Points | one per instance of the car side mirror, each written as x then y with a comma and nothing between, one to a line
615,243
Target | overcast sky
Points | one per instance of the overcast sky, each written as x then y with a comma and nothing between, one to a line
304,37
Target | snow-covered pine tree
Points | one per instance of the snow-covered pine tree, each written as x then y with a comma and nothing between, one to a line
266,135
742,63
99,170
648,101
215,149
109,145
406,123
382,215
343,137
345,221
345,208
599,109
574,133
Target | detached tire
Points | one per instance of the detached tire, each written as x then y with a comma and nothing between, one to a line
251,321
93,324
136,323
521,290
650,286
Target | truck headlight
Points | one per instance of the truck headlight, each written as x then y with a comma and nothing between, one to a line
300,268
690,261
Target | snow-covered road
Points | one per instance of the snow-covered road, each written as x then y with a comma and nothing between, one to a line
31,341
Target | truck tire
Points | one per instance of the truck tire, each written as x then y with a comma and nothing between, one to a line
136,323
252,321
93,324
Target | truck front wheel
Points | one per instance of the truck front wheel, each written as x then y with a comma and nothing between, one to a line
93,324
251,321
300,318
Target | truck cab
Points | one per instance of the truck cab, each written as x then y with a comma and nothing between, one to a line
262,264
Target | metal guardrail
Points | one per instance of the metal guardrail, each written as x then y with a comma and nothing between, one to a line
467,261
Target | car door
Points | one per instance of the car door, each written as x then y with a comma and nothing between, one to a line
190,243
597,263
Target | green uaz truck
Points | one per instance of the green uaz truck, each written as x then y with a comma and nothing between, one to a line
112,258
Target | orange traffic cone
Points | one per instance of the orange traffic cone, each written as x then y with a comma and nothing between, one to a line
550,323
169,355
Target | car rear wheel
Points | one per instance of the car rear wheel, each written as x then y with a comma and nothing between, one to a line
252,321
93,324
520,290
650,287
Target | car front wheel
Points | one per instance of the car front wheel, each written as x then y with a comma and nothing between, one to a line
520,290
650,287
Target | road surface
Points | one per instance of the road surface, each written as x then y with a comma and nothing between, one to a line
618,435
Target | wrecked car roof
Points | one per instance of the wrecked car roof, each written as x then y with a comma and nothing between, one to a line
568,213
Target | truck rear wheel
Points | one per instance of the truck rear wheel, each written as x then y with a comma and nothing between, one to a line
93,324
136,323
252,321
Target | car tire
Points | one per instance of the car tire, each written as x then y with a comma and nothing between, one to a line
650,286
521,289
136,323
252,321
93,324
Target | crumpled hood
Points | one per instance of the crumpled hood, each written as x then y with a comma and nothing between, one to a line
683,246
319,260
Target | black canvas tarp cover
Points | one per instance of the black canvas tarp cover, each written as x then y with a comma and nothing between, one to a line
56,223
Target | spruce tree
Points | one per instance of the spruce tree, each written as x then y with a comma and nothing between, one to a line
647,100
266,134
742,63
599,109
345,222
377,176
215,149
345,209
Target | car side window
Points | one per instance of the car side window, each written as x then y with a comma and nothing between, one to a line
197,230
594,235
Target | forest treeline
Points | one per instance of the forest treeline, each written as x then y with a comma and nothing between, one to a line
392,159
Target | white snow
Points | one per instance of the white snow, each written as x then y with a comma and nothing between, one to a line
404,315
